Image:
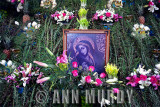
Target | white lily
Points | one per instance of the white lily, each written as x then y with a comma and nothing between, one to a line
153,8
142,71
104,101
24,79
82,81
141,26
144,83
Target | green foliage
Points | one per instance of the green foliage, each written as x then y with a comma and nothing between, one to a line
126,52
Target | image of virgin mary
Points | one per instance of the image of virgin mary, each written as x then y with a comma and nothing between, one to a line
83,54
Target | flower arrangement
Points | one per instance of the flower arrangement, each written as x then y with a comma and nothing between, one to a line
26,74
30,28
62,16
106,16
152,6
140,30
144,78
48,3
117,3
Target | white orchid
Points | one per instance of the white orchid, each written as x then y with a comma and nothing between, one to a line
136,26
152,8
144,83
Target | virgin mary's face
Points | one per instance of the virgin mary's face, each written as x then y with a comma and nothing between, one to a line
83,49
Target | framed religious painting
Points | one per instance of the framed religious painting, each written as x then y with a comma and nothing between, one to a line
87,47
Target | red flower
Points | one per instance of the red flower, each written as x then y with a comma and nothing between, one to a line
150,4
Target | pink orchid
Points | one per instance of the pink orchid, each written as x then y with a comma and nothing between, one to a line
98,82
103,75
117,17
40,63
150,3
143,77
115,90
133,80
88,79
101,17
108,14
75,73
91,68
22,1
40,81
62,58
23,73
74,64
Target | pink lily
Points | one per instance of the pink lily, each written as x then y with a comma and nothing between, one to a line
150,3
40,75
40,63
95,17
62,58
133,80
40,81
22,1
103,75
117,17
13,1
143,77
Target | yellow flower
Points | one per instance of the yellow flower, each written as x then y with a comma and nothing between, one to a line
111,70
